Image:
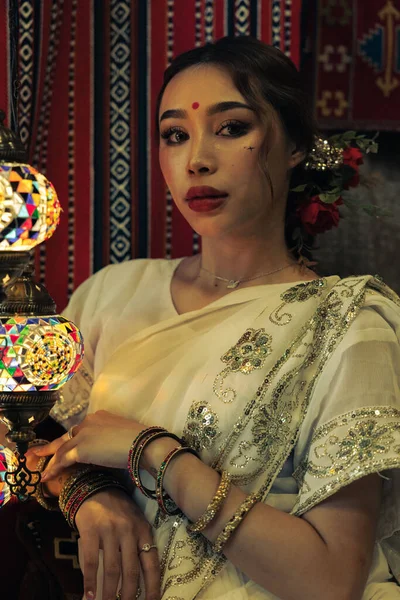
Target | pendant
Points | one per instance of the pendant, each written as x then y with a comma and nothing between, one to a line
232,284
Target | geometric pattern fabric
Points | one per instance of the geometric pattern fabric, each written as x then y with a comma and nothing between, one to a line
82,81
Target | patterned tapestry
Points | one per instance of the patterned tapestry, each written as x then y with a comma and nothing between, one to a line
79,81
358,64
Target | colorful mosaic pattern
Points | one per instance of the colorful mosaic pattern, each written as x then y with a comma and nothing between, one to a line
29,207
8,462
38,353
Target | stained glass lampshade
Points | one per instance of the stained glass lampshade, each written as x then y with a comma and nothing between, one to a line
29,207
38,353
39,350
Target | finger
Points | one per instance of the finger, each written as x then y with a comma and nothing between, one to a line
64,458
130,567
50,448
151,573
111,567
90,550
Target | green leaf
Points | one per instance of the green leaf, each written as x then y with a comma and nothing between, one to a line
349,135
329,198
300,188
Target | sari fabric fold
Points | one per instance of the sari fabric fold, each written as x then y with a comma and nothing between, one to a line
260,383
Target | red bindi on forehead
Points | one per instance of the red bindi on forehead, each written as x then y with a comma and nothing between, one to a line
195,105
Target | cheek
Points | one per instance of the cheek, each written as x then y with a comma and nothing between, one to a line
169,167
172,164
244,165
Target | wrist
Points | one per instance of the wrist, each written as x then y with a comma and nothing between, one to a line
155,452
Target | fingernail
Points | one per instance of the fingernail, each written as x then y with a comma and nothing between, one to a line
44,476
90,595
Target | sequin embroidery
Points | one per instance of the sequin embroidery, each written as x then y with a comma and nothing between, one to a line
201,428
247,355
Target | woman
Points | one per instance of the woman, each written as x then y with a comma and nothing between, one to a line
285,380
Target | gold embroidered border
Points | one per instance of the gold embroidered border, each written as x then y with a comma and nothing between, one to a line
326,342
361,442
329,489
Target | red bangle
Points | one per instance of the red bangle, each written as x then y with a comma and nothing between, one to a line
135,454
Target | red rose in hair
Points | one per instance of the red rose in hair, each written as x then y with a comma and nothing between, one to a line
317,216
353,157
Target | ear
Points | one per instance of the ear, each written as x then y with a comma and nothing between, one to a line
297,156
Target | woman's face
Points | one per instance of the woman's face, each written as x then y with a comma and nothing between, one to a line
211,138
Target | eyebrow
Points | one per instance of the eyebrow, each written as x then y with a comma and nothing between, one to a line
179,113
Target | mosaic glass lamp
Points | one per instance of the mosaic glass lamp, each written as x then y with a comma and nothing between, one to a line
39,350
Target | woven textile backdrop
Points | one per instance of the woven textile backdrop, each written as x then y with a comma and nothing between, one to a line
79,81
358,64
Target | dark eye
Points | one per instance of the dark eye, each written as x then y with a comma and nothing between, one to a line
174,136
233,128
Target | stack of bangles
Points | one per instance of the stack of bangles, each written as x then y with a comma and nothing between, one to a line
168,506
145,437
89,481
80,486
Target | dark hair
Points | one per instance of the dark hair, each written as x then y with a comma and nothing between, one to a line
265,77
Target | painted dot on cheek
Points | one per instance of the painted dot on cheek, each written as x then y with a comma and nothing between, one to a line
195,105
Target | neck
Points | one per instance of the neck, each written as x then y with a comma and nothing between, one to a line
242,259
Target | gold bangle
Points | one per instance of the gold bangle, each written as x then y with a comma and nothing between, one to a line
38,442
69,484
235,521
47,503
215,505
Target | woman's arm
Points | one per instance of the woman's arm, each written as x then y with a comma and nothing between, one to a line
325,554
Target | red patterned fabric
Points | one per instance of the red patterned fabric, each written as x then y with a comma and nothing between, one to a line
358,64
87,78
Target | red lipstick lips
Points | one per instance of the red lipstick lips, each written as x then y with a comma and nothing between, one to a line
205,198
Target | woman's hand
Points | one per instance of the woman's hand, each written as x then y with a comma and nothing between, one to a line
101,439
111,521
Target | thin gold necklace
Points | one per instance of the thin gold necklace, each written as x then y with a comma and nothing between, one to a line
233,283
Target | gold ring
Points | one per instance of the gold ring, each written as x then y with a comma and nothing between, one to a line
147,548
70,432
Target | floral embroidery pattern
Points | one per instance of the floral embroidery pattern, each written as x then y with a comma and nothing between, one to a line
362,444
253,420
248,354
201,428
304,291
368,444
250,351
299,293
364,441
269,428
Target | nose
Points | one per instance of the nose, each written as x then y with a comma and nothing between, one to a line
201,160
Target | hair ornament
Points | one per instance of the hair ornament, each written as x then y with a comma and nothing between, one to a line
330,169
323,156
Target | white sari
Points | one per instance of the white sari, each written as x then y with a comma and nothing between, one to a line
292,388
